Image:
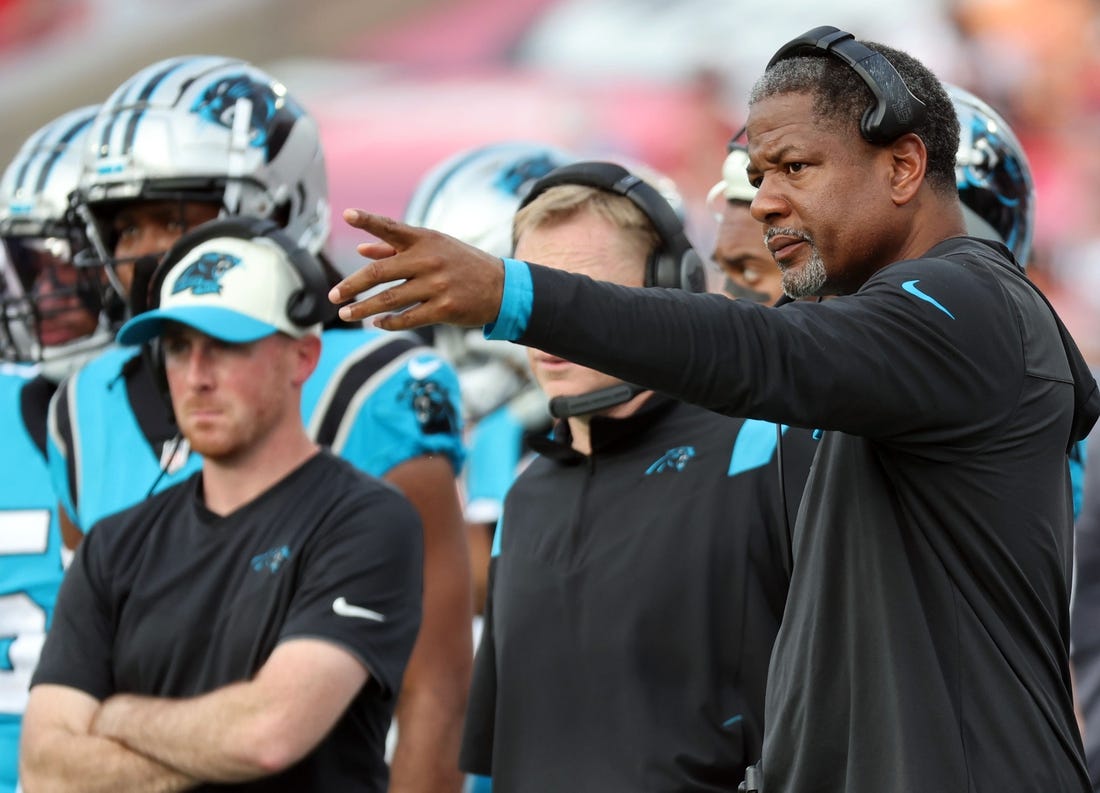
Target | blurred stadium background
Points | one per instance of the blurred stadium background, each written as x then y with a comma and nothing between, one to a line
399,84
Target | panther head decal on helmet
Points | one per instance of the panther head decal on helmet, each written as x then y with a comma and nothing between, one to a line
209,129
474,194
993,176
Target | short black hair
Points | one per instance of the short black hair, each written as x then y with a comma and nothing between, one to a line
840,95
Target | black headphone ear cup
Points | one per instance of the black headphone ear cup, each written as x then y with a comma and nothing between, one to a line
653,268
692,275
309,305
662,270
303,308
675,264
867,126
668,271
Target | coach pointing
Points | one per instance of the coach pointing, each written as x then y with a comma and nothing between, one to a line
924,645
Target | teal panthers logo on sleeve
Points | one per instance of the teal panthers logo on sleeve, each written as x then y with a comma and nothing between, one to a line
203,276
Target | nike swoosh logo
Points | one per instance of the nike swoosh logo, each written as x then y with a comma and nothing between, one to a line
423,369
911,288
345,609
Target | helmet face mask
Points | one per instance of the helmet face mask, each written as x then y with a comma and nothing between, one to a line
48,305
209,130
50,310
993,176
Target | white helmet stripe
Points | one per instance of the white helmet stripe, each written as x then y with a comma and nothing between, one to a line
59,150
35,145
143,99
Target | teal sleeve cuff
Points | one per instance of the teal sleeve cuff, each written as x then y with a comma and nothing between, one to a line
515,305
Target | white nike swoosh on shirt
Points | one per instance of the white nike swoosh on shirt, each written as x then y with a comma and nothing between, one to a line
422,369
345,609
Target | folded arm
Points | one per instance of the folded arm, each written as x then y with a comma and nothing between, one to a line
59,754
244,730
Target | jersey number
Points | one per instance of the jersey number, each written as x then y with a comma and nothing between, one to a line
22,621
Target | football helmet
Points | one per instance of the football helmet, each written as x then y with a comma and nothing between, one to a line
51,312
473,196
211,129
993,176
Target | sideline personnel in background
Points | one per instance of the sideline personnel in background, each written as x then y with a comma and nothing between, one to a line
191,138
643,553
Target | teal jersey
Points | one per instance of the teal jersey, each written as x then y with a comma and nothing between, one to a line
30,554
376,399
379,399
102,457
496,449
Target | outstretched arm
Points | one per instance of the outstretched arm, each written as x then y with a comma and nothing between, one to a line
58,753
445,280
244,730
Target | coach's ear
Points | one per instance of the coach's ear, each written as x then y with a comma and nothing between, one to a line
908,160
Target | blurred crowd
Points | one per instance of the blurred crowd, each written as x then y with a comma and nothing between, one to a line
1033,61
1037,62
395,90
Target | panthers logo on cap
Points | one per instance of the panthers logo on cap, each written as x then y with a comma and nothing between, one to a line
272,116
203,276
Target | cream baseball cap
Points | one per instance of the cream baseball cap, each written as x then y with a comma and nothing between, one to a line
233,289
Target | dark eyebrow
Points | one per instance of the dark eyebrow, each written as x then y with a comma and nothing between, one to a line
782,152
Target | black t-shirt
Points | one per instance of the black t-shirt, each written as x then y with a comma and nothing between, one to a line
632,607
168,599
925,640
